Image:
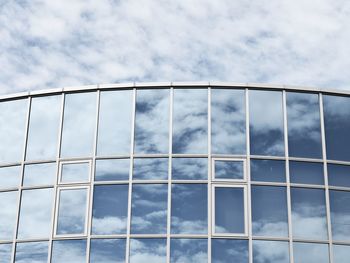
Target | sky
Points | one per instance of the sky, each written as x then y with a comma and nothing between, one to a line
53,44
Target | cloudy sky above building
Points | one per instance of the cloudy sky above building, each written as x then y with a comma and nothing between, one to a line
51,44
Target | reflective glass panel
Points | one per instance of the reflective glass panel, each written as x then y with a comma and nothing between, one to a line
30,252
39,174
266,123
337,126
310,253
36,213
72,211
112,170
341,254
68,251
10,176
189,209
189,169
270,251
306,173
229,210
188,250
338,175
75,172
149,208
8,212
340,214
150,168
229,250
5,253
107,250
303,117
152,121
79,124
110,209
228,122
309,213
268,170
44,124
114,127
190,121
229,170
147,250
269,211
13,115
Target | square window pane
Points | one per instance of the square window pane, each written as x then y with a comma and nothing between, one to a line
32,252
306,173
189,250
10,176
310,253
341,254
107,250
112,170
8,213
338,175
229,250
270,251
233,170
147,250
189,169
5,253
75,172
268,170
150,168
68,251
340,214
39,174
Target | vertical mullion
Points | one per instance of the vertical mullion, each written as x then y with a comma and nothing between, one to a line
209,206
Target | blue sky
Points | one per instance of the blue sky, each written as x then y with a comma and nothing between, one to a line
52,44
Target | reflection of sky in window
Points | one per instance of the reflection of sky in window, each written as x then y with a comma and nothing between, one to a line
310,253
68,251
228,124
75,172
5,253
189,169
306,173
341,254
338,175
190,121
188,250
189,209
39,174
148,250
267,170
340,214
112,170
270,251
8,211
229,170
149,208
36,252
10,176
229,250
150,168
107,250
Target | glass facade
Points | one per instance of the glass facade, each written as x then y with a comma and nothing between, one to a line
175,174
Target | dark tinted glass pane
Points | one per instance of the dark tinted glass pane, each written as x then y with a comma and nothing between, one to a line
110,209
306,173
147,250
304,127
338,175
152,121
150,168
188,250
8,212
68,251
5,253
75,172
228,121
190,121
189,168
39,174
10,176
310,253
269,211
266,123
268,170
229,170
341,254
149,208
107,250
30,252
112,170
340,214
189,209
229,250
270,251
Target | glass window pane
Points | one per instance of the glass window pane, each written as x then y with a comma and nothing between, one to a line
189,169
152,121
44,124
5,253
338,175
341,254
114,128
8,213
306,173
36,213
110,209
68,251
13,115
268,170
269,211
337,126
309,213
266,123
71,211
189,250
310,253
229,210
32,252
270,251
10,176
229,170
147,250
190,121
150,168
340,214
39,174
112,170
79,124
303,117
189,209
228,121
229,250
75,172
107,250
149,208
